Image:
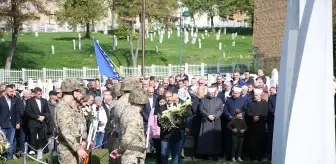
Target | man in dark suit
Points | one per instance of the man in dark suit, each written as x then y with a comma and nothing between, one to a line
9,117
38,113
148,107
183,75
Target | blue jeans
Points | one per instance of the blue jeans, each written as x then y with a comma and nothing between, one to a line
10,134
99,139
170,146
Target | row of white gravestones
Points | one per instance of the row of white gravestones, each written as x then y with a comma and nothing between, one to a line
234,35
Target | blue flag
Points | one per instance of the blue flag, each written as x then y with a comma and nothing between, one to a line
105,66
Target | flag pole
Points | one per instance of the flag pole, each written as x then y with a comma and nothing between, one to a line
143,37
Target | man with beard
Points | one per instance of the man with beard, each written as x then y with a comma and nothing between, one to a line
256,116
71,124
209,142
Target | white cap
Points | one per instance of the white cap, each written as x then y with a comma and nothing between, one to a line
237,89
211,90
244,87
258,91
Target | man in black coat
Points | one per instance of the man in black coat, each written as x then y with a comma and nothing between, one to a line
256,117
9,117
38,113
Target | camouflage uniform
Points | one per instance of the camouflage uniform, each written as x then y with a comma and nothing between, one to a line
71,125
132,142
113,126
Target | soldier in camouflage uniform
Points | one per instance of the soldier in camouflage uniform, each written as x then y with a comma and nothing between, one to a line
132,143
71,124
113,128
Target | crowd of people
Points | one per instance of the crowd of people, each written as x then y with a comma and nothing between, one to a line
231,118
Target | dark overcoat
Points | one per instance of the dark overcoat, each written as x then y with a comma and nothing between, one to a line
209,142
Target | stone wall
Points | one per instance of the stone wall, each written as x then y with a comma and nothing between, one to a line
268,30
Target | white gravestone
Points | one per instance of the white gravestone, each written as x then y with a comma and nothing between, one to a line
154,33
206,33
192,32
105,30
199,44
241,56
151,37
156,49
161,37
224,30
236,34
169,32
223,54
186,37
147,34
195,34
233,36
217,36
115,44
74,44
36,34
243,37
79,41
202,36
52,49
220,46
233,43
193,41
127,38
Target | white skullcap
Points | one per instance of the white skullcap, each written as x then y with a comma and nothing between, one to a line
211,90
237,89
258,91
244,87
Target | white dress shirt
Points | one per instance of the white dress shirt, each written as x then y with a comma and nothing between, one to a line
38,101
9,102
151,102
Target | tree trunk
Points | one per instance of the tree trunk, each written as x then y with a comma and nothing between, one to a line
9,59
136,52
87,35
212,23
15,33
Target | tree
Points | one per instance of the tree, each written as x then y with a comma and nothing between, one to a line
83,12
193,6
155,9
15,13
210,7
229,7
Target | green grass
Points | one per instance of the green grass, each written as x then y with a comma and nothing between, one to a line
35,52
101,157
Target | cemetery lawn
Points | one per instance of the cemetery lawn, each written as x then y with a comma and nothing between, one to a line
35,52
101,157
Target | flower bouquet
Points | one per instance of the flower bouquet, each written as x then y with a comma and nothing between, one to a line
174,114
88,113
4,145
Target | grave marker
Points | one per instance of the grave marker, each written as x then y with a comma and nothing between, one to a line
52,49
233,43
199,44
156,49
202,36
220,46
105,30
79,41
114,44
36,34
223,54
233,36
151,37
217,36
74,44
224,30
127,38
